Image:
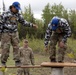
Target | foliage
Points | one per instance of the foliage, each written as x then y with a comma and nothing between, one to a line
47,13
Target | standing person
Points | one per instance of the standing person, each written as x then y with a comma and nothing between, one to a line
57,32
27,57
10,32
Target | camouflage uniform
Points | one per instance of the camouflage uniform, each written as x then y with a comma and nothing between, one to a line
10,34
27,58
61,34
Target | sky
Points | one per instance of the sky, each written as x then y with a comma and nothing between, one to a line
38,5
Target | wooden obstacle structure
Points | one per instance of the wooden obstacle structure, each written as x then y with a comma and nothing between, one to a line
46,64
49,64
56,68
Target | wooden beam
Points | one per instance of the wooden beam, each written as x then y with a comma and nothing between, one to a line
46,64
28,66
51,64
57,71
1,73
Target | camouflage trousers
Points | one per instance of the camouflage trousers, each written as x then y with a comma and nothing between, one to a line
54,40
23,71
6,40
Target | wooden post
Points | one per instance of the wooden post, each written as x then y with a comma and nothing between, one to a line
52,64
57,71
1,73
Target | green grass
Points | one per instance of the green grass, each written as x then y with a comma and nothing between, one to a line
71,48
72,44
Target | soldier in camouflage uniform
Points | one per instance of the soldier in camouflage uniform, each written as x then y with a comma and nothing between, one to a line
10,33
57,32
27,58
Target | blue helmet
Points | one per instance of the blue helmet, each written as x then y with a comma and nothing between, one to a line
16,5
54,23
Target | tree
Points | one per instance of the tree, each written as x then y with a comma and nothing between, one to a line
65,14
72,17
57,10
46,15
28,16
40,31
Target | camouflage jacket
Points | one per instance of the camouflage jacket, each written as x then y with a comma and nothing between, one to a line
26,56
63,28
10,21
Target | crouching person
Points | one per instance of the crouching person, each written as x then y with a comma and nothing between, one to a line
27,58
